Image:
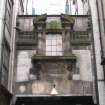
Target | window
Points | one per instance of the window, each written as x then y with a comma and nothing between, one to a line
54,45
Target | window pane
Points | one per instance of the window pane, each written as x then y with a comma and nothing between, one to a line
54,42
48,48
59,53
48,53
48,42
53,48
53,37
59,48
48,36
53,53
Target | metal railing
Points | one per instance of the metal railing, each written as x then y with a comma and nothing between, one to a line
26,36
81,88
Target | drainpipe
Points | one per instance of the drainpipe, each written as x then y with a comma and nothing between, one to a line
101,25
94,59
95,70
103,55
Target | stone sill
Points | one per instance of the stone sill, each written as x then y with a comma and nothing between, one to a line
52,30
80,42
71,57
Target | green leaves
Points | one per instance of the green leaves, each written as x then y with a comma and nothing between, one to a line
53,25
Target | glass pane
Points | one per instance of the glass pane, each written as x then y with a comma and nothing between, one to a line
53,37
53,53
54,42
59,45
48,42
59,48
49,36
48,48
59,53
53,48
48,53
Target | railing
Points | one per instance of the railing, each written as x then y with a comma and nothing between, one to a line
81,88
26,37
75,88
25,25
80,38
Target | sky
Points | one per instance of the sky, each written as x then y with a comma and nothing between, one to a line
51,6
47,6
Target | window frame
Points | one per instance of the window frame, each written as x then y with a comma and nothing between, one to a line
54,45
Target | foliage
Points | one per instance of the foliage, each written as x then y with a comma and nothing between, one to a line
53,25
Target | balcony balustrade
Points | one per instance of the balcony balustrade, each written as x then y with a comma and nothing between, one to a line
38,88
25,28
78,38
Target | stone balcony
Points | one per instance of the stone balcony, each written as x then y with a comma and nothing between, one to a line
27,32
80,38
43,88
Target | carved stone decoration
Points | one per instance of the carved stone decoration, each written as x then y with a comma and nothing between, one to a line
70,67
53,67
56,70
22,89
35,71
50,71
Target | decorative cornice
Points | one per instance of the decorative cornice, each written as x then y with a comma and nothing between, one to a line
71,58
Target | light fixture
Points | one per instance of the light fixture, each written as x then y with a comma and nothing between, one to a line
54,91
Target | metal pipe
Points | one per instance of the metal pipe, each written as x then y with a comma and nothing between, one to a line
94,63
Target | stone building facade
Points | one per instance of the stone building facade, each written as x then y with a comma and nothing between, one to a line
54,58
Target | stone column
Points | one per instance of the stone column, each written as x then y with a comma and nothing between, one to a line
66,41
63,42
40,43
44,43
